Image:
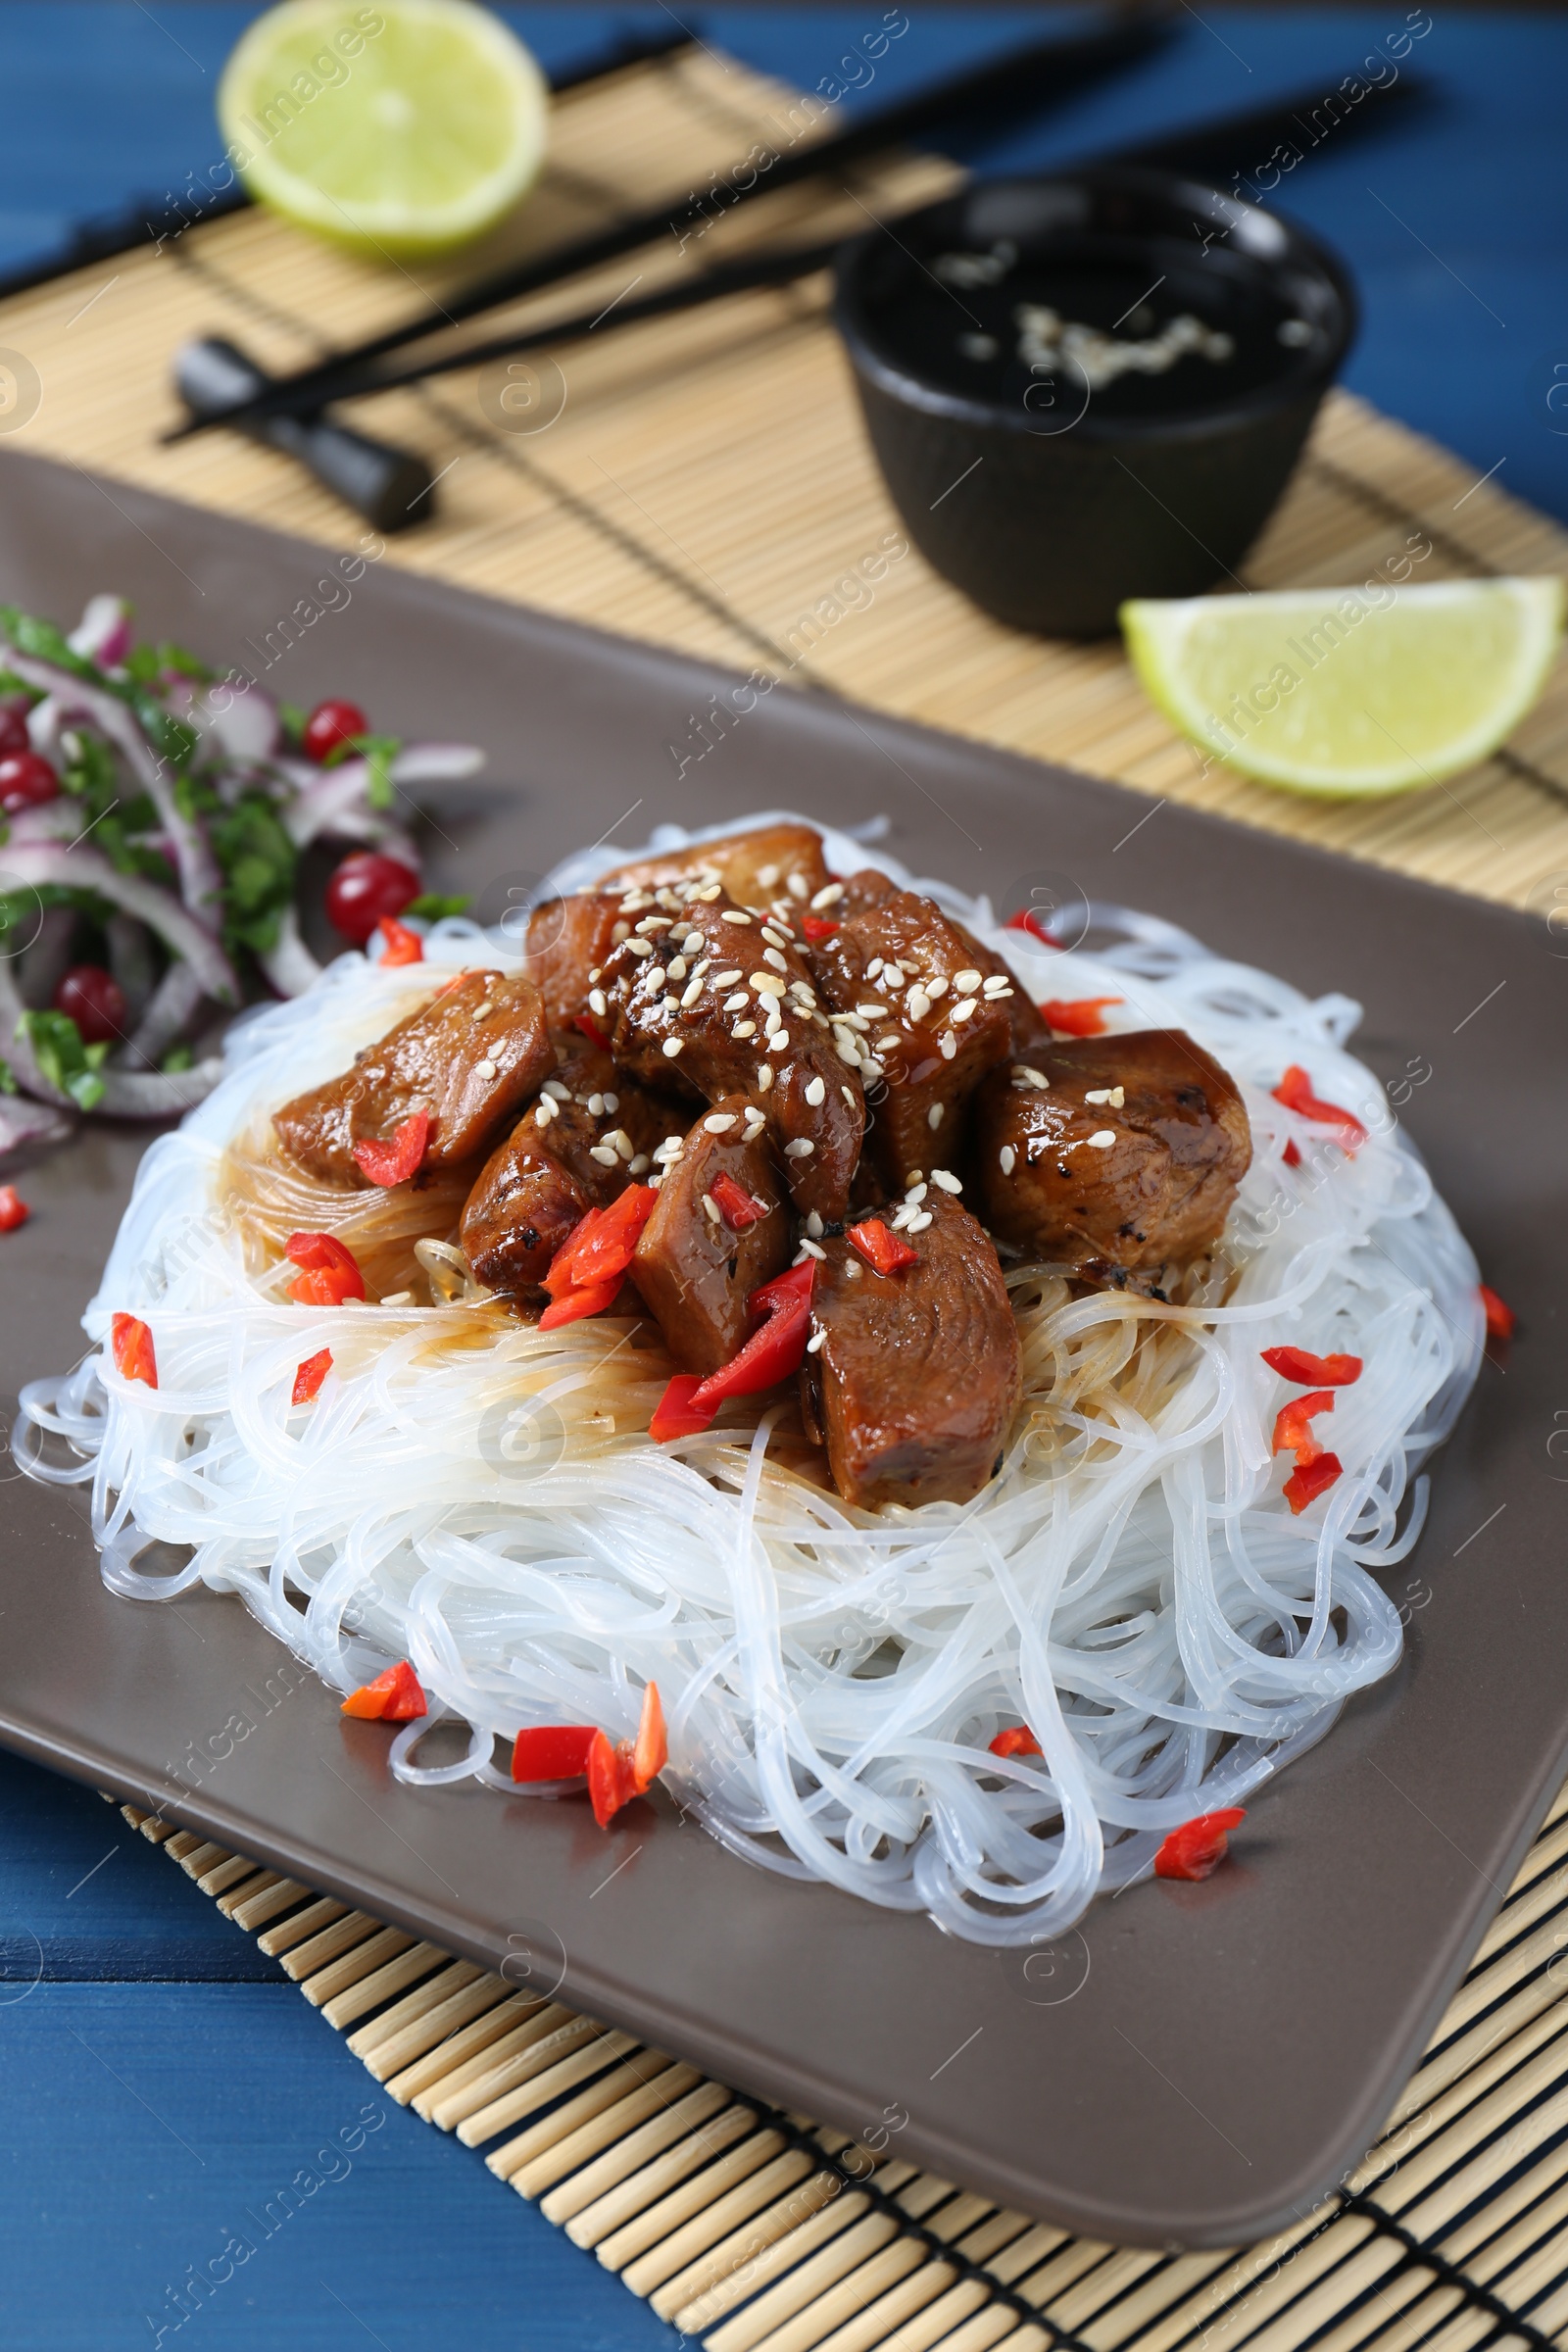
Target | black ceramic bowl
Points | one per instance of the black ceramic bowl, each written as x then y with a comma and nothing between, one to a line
1091,387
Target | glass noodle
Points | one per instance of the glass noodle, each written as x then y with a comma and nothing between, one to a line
482,1497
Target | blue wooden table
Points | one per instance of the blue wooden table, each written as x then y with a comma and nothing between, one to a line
164,2084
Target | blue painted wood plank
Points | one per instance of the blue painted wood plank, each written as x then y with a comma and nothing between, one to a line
208,2165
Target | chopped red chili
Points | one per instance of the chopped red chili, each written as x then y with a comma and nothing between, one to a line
817,926
331,1272
591,1299
310,1376
1311,1478
1077,1017
394,1697
599,1245
617,1773
553,1751
1292,1432
131,1345
769,1356
1500,1317
1198,1848
399,944
14,1210
1028,920
1294,1090
1016,1740
673,1416
1290,1154
738,1207
394,1163
586,1026
882,1248
1312,1371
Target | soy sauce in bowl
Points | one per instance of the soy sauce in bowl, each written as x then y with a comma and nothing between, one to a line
1127,363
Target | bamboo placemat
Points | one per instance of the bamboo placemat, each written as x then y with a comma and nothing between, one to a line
707,486
756,2230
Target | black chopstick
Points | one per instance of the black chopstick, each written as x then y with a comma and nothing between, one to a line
1003,88
157,220
1253,135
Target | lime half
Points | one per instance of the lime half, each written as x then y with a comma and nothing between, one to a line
404,129
1350,690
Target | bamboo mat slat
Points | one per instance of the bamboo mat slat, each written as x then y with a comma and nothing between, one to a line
755,2230
708,487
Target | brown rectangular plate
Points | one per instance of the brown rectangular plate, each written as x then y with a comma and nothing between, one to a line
1197,2064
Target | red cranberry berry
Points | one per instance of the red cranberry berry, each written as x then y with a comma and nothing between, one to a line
365,888
27,781
96,1001
328,725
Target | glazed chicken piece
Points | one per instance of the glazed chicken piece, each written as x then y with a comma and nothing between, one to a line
567,940
927,1013
470,1057
1111,1154
915,1384
697,1264
591,1133
726,997
771,863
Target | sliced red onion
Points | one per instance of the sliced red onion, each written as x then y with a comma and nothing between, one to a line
86,869
55,820
435,762
168,1009
201,884
241,718
18,1050
289,965
104,633
331,794
157,1093
24,1121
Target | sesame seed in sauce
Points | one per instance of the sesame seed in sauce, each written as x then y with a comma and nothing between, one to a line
598,1001
797,886
594,1106
764,1077
918,1005
635,1167
612,1102
815,1342
919,1222
484,1069
966,981
814,1226
767,876
725,979
558,1089
847,1091
963,1010
1103,1138
779,1042
1115,1096
690,993
733,915
947,1180
828,897
719,1122
672,1046
933,1117
398,1299
744,1029
772,955
482,1012
815,1092
603,1153
711,1209
639,946
950,1045
676,967
1007,1158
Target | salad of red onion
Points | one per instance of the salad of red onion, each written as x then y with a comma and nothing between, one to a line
154,816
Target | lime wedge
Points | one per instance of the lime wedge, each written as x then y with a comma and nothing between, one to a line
1350,690
403,129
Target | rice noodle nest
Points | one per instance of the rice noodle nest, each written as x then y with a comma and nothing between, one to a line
483,1498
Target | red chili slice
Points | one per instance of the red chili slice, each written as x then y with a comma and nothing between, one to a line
1294,1090
1312,1371
617,1773
737,1206
1198,1848
882,1248
399,944
1290,1154
1028,920
1500,1317
394,1697
1293,1431
131,1343
1311,1479
575,1306
600,1244
331,1272
387,1164
553,1751
1016,1740
817,926
310,1376
673,1416
14,1210
586,1026
1078,1017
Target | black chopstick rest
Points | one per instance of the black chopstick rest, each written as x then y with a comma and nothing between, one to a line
391,487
